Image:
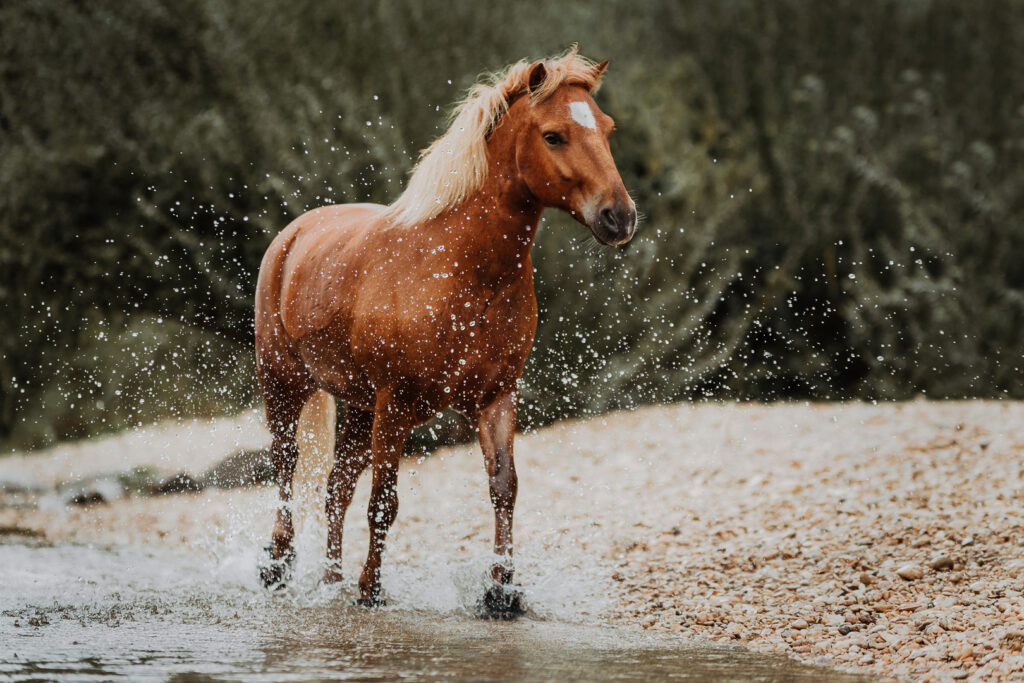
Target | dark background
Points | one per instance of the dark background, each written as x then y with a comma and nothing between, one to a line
833,193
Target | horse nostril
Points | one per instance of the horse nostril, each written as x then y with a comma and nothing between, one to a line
608,219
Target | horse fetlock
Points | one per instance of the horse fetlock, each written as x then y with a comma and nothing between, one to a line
332,573
502,573
369,582
369,593
275,569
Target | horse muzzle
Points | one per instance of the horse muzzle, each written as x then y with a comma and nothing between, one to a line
614,224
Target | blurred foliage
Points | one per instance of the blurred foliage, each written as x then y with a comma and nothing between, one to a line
833,193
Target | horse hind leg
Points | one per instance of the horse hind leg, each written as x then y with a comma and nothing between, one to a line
392,420
351,456
284,405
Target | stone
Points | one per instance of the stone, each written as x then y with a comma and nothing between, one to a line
242,469
963,652
910,572
179,483
1014,641
92,491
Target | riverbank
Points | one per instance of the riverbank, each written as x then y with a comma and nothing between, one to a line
884,539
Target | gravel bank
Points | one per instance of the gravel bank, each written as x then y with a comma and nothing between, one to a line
884,539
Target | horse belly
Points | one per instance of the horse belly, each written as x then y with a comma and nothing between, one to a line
328,358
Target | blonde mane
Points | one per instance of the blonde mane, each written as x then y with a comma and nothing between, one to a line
455,165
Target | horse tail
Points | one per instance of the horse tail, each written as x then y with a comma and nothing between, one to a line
315,438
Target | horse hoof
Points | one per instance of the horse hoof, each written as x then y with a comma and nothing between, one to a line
276,571
371,602
502,601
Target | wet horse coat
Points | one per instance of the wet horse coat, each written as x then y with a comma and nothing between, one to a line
401,312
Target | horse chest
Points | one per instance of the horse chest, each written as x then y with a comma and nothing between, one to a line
456,348
506,326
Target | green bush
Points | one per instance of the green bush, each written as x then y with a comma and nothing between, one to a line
832,193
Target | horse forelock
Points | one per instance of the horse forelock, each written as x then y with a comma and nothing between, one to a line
454,166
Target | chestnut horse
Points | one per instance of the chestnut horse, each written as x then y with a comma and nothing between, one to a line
403,311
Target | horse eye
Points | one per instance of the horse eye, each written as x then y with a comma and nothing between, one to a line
554,139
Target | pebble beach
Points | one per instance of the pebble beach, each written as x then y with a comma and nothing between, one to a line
884,539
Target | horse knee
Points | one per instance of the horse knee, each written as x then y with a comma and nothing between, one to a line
383,508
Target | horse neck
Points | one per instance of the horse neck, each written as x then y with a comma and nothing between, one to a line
496,225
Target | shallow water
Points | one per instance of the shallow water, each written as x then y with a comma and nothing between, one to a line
80,613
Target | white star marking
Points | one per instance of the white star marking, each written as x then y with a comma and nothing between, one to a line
582,115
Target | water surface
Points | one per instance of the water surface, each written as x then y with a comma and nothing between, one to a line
80,613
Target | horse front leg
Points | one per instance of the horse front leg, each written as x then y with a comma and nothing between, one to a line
497,426
391,423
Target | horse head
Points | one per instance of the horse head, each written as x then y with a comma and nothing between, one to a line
564,158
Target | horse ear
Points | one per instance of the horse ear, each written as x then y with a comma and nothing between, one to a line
601,67
538,72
